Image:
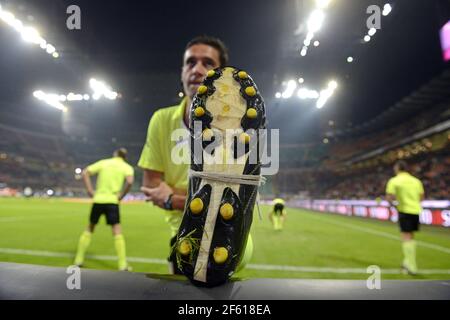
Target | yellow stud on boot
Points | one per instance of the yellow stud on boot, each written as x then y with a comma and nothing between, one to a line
184,247
196,205
199,111
242,75
202,89
252,113
244,138
207,134
250,91
226,211
220,255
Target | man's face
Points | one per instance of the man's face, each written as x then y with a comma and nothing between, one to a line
197,60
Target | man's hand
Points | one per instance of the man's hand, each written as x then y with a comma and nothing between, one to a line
159,194
90,193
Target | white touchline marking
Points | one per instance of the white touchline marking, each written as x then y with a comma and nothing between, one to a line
305,269
384,234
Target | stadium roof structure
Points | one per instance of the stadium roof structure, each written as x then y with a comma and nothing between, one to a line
434,94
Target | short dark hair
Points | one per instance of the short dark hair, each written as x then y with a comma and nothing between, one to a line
122,152
401,165
214,42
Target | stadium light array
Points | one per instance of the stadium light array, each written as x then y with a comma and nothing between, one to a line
51,99
304,93
314,24
28,34
349,59
386,9
291,86
100,89
326,94
55,100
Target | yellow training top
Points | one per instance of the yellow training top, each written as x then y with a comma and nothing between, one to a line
111,174
407,190
167,150
278,201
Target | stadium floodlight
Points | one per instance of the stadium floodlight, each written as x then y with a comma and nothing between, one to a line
50,49
386,9
291,86
78,170
350,59
325,140
86,97
50,192
278,95
43,44
304,51
332,84
322,4
181,94
372,31
28,33
50,99
100,89
304,93
301,80
326,94
315,20
314,24
55,55
366,38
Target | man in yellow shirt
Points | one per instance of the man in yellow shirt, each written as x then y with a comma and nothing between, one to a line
111,174
278,214
165,181
409,192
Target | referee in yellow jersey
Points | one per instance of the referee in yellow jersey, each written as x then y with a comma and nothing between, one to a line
409,192
111,175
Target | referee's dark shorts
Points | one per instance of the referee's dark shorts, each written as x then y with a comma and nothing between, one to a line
408,222
111,210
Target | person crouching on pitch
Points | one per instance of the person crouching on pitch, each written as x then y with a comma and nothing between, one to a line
111,174
278,214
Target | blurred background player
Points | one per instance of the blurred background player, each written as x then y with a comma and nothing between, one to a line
409,192
278,214
111,174
165,182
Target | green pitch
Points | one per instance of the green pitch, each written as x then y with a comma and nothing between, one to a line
312,245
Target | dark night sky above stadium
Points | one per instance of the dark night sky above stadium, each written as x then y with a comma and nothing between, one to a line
136,46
